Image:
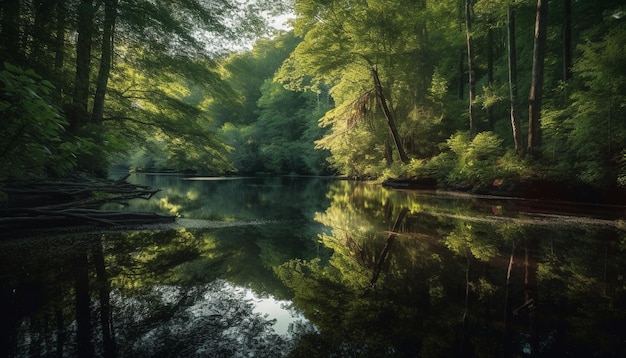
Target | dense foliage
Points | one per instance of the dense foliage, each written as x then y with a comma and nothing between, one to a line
33,127
417,52
461,91
118,77
270,128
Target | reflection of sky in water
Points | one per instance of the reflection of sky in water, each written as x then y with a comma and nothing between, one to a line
218,317
281,311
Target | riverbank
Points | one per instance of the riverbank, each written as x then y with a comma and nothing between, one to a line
530,189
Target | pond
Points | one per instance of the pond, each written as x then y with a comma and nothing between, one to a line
317,267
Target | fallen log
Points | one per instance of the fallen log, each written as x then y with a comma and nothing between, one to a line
73,189
72,201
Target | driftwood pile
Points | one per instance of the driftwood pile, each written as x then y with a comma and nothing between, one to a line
70,202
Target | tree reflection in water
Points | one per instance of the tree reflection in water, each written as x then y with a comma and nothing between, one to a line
217,319
142,294
460,279
361,271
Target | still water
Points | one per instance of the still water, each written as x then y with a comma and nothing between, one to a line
310,267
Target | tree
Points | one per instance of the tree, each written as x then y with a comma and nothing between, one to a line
60,12
567,40
78,116
164,40
10,39
596,136
470,67
382,102
536,88
368,41
280,126
271,128
512,71
106,59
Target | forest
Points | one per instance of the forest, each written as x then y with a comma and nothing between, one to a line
483,96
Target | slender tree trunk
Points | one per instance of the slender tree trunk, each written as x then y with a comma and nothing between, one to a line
41,30
59,40
536,86
86,13
567,40
490,72
515,123
110,14
59,46
83,310
463,346
506,332
470,68
609,130
530,286
389,117
461,88
104,290
10,31
382,257
461,23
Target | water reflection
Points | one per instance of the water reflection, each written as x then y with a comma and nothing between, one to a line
306,267
222,320
148,293
415,275
238,198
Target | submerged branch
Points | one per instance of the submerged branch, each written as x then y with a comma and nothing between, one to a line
72,201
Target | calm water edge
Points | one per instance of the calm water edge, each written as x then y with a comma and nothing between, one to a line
314,267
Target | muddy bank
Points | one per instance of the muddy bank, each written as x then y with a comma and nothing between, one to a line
531,189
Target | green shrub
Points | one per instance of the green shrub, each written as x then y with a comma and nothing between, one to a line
31,141
471,164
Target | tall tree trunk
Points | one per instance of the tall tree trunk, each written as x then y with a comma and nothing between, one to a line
59,45
10,31
567,40
461,22
512,54
530,287
382,257
536,86
388,117
110,14
83,310
104,289
461,87
490,118
463,345
470,68
59,40
42,28
86,13
507,311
